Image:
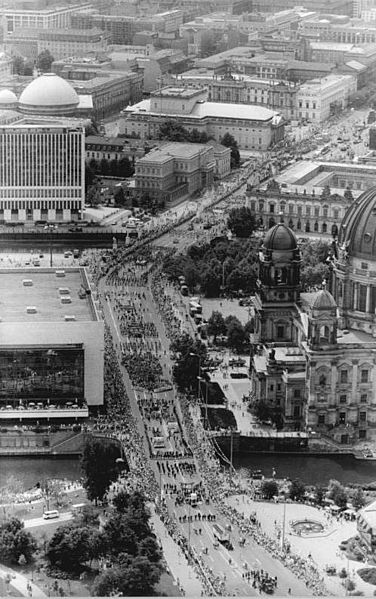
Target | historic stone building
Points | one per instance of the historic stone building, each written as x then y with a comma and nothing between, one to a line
314,354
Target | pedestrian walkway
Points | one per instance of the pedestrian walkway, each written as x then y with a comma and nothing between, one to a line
182,572
21,583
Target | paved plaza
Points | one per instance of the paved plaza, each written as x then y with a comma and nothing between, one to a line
322,547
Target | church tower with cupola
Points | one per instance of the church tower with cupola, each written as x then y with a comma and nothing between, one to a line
278,286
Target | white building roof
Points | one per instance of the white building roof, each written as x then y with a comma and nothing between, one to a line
216,109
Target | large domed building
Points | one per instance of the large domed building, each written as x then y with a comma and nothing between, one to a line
8,99
49,95
354,281
312,362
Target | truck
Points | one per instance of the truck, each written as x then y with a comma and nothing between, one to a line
221,534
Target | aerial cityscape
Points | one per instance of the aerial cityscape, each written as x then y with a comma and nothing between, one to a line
187,298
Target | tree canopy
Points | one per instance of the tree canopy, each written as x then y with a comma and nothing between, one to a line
186,367
44,61
208,265
16,541
99,467
241,222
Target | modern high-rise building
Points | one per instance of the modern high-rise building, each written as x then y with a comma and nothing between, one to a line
42,171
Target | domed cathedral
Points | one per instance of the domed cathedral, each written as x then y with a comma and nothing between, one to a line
313,355
278,363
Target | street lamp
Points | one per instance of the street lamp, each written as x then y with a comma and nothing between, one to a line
199,372
202,380
50,228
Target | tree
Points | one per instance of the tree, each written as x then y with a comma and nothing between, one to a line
210,282
104,167
235,332
93,195
16,541
125,169
216,325
358,499
319,494
98,463
113,168
71,546
297,489
18,64
241,222
44,61
119,196
90,177
230,142
186,367
269,489
337,493
137,579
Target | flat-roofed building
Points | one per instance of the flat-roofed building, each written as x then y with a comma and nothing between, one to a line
175,170
42,170
40,18
318,99
253,127
51,346
63,43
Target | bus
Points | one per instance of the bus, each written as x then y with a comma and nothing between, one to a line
221,533
194,308
49,514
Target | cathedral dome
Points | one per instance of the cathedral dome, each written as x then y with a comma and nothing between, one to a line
357,234
48,94
7,98
324,301
280,238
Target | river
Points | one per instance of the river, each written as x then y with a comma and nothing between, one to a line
310,469
30,471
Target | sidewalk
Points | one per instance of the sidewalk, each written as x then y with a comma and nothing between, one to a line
20,582
182,572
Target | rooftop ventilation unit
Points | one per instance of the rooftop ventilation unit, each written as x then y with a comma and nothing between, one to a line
27,283
31,310
60,273
64,290
66,299
69,318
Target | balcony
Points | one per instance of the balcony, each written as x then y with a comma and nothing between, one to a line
50,413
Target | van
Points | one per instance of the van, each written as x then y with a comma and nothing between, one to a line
50,514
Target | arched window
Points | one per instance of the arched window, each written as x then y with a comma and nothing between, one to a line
307,228
324,227
322,380
316,227
299,225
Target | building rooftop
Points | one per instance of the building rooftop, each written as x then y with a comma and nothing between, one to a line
177,92
213,109
44,295
174,150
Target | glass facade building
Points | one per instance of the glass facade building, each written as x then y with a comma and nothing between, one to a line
42,374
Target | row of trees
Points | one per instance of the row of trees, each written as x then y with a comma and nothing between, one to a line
237,334
125,542
24,67
298,491
216,266
111,168
224,265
